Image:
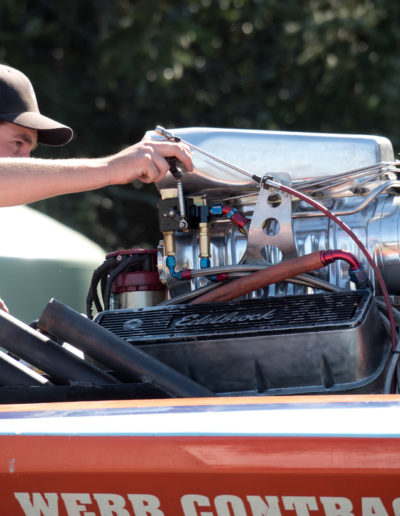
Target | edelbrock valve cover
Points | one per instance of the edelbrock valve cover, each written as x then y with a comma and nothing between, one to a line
297,344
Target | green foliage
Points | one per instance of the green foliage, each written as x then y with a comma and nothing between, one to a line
113,69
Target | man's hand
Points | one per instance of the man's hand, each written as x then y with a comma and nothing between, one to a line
146,161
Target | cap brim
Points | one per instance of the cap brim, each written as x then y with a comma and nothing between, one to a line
49,131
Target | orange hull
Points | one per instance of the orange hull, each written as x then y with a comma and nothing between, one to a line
225,457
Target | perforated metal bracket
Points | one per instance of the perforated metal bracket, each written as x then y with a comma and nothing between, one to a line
270,239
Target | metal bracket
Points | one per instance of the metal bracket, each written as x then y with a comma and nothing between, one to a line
270,239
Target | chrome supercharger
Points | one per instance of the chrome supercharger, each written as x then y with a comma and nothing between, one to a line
354,176
315,332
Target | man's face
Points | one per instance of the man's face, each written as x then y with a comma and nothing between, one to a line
16,141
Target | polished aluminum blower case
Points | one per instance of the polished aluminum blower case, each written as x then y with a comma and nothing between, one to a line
370,207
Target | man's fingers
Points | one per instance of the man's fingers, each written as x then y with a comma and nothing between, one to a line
162,166
185,156
179,150
155,169
146,161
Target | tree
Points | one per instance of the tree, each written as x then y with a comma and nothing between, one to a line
114,69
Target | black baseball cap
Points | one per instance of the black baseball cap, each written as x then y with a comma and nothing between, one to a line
18,105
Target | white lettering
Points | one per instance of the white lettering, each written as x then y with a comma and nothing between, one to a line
111,504
373,507
223,503
337,506
192,502
38,507
396,506
260,508
75,503
301,504
145,505
224,318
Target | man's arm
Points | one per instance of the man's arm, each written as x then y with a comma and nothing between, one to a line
25,180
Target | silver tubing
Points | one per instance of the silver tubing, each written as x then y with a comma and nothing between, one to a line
359,207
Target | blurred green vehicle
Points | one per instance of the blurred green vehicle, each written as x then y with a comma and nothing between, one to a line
41,258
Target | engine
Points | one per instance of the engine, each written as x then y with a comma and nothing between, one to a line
316,329
277,273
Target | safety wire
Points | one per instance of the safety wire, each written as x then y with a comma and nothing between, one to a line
294,193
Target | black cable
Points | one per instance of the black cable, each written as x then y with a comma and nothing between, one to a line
97,276
110,280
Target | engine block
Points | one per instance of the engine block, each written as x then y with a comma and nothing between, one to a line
317,332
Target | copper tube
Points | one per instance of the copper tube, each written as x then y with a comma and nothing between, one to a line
262,278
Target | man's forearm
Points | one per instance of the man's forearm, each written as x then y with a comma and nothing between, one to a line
25,180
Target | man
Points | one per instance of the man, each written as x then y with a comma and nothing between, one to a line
24,180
